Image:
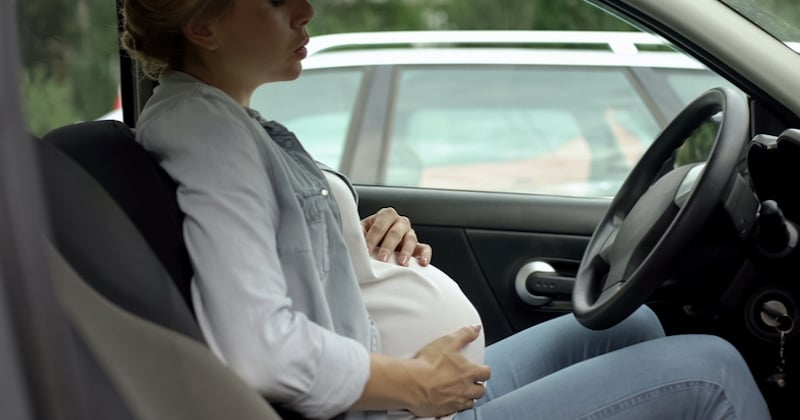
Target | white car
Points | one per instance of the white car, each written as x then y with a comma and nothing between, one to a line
567,112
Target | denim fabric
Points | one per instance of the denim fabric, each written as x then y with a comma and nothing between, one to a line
561,370
274,291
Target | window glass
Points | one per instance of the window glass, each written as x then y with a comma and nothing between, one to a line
781,18
525,129
318,108
70,58
688,85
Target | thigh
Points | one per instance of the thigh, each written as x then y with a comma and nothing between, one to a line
548,347
686,377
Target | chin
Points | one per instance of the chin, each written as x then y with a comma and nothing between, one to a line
285,76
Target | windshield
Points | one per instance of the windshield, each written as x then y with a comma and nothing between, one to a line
780,18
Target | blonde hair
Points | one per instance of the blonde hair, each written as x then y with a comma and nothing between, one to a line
153,30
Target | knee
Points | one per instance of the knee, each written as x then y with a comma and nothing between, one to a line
718,361
644,323
710,348
713,359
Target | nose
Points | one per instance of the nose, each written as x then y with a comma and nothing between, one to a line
304,12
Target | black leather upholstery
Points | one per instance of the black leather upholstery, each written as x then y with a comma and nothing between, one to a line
100,242
108,152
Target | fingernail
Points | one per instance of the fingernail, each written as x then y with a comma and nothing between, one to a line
404,260
383,256
476,327
423,260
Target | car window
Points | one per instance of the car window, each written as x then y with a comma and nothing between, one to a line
566,131
70,60
318,110
688,85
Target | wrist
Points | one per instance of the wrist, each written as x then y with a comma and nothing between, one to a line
414,390
394,384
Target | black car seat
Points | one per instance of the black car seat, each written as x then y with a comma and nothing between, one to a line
123,277
108,152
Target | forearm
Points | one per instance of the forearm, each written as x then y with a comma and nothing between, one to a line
391,385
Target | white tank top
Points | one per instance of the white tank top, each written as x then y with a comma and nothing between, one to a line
411,306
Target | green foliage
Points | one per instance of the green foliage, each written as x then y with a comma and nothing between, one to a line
697,146
95,64
70,49
70,59
366,15
45,31
385,15
48,101
526,14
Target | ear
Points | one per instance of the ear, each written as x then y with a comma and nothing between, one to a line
202,33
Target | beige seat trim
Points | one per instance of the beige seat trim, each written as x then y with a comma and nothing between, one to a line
159,373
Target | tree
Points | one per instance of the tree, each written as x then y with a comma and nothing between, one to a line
382,15
70,58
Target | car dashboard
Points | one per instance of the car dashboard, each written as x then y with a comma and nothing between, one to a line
760,307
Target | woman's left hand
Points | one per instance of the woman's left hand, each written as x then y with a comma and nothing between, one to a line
393,232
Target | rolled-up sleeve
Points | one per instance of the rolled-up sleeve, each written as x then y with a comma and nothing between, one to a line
230,228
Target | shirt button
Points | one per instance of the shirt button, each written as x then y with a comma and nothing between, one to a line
324,192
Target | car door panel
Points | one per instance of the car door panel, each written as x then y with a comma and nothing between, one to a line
482,240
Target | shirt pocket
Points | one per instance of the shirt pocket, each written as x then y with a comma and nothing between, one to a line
315,211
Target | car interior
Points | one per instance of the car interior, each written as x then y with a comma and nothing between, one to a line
119,310
122,256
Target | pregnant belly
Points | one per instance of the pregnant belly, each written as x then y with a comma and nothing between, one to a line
414,305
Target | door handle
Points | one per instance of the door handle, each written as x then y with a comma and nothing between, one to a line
537,283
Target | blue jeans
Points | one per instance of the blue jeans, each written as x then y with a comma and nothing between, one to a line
561,370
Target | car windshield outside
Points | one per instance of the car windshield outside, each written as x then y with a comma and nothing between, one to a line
567,96
564,112
779,19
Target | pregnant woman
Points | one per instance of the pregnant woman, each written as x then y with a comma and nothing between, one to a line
327,332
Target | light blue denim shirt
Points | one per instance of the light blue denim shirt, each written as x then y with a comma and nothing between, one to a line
274,289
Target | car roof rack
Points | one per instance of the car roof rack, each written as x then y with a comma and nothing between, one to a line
617,42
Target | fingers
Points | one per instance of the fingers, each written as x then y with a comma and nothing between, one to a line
391,232
399,234
481,374
466,335
468,404
385,228
423,252
407,247
453,343
451,382
474,392
478,373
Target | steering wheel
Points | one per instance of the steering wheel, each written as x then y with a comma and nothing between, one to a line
652,220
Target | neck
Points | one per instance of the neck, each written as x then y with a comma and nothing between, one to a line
229,82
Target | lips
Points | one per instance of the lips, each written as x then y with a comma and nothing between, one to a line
301,51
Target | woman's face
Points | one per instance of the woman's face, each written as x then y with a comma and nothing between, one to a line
262,41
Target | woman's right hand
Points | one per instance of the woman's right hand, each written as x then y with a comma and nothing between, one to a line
438,381
448,381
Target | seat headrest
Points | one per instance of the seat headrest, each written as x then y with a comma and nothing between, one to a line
116,220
